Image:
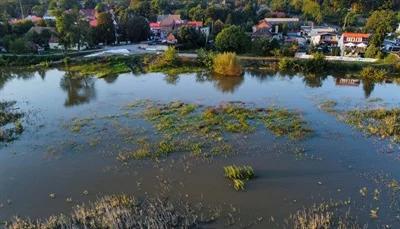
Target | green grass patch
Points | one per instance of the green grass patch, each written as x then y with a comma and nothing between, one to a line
100,70
239,175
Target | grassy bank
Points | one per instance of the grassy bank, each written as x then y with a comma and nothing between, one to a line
114,65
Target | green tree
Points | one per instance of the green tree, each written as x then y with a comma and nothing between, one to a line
190,37
379,24
133,27
41,39
72,28
63,5
142,7
104,31
21,27
161,6
278,5
19,46
232,39
4,29
311,9
197,13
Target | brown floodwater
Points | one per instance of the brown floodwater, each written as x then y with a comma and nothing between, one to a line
336,160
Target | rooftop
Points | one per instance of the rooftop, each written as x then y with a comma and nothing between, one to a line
357,35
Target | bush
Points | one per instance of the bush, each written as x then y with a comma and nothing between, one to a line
316,64
227,64
286,51
373,52
264,46
205,58
393,60
19,46
168,59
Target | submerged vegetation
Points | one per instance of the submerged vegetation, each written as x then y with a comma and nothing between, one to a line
10,122
206,131
227,64
324,215
239,175
122,211
380,122
384,123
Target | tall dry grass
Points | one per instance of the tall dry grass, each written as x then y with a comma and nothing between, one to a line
227,64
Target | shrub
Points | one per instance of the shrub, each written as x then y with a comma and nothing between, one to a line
264,46
168,59
19,46
393,61
227,64
205,58
288,50
373,52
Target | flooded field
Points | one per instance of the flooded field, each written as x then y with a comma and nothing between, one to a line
262,150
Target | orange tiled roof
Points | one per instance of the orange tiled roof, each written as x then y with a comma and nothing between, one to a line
357,35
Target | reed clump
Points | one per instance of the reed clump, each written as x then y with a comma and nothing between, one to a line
239,175
123,211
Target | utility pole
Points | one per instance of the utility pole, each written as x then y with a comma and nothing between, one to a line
22,10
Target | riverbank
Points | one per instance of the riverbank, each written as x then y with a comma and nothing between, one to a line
80,65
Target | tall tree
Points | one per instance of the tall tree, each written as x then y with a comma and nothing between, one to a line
133,27
105,30
72,29
379,24
232,39
311,9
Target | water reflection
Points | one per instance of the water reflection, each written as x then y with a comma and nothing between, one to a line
368,87
79,90
171,79
82,90
314,80
227,84
110,79
224,84
8,75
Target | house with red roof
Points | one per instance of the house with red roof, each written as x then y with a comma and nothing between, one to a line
166,24
353,44
262,29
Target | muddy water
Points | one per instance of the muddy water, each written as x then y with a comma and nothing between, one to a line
335,163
